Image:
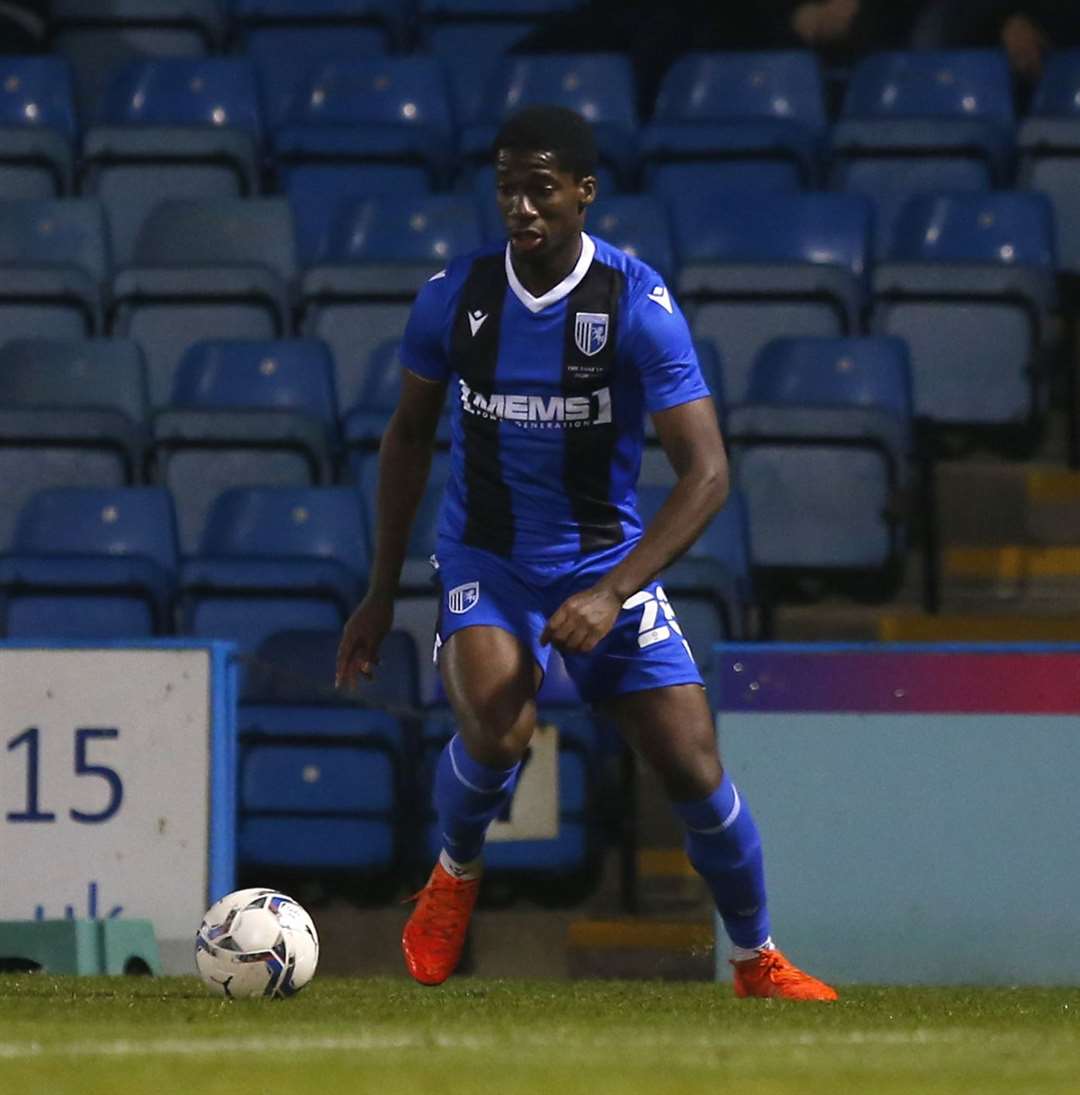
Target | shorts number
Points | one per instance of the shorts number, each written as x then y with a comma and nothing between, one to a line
651,606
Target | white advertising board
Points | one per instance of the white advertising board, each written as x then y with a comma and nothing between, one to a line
115,786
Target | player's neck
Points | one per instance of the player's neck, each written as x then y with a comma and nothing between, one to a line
541,274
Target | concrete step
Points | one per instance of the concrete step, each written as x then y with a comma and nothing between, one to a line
641,948
946,628
668,885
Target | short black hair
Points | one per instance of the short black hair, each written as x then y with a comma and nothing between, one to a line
551,129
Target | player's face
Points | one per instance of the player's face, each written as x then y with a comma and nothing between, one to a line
543,206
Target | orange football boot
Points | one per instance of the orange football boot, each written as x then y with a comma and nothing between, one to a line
435,932
771,974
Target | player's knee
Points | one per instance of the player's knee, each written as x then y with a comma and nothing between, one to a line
499,743
692,775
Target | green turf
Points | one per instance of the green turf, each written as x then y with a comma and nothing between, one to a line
166,1035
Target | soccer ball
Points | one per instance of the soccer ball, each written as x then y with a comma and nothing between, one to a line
256,943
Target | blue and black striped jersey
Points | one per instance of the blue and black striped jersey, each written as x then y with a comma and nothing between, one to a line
549,397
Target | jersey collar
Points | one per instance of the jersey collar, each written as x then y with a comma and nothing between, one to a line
563,289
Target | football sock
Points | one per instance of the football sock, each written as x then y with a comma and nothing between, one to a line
468,797
742,954
723,844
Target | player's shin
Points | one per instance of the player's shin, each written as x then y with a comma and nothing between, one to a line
468,797
723,844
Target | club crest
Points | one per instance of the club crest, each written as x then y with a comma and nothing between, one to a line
461,598
590,332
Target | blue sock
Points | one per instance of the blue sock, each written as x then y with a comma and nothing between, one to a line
468,797
723,844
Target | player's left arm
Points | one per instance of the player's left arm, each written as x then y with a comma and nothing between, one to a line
685,417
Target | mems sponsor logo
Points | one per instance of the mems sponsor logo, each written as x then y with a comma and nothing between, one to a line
554,412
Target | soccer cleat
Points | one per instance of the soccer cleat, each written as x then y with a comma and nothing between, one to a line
770,974
435,932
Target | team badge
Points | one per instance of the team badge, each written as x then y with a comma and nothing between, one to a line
590,332
461,598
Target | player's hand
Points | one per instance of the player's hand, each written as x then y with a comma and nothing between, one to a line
358,651
582,620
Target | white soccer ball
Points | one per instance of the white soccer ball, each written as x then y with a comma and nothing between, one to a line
256,943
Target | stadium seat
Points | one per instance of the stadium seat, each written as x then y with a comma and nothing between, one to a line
97,36
416,616
244,414
1049,141
417,574
600,86
375,110
71,414
970,286
636,224
920,121
738,109
205,269
384,250
275,559
37,127
752,265
323,21
90,562
321,790
374,393
53,260
172,128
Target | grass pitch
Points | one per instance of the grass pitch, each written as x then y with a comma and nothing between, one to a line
166,1036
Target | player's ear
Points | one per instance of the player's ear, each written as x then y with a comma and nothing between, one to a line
587,189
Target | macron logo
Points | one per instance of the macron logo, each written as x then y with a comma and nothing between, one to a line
476,321
659,295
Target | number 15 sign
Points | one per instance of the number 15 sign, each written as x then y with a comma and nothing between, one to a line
116,783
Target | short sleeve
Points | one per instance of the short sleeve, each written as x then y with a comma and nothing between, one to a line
661,349
423,346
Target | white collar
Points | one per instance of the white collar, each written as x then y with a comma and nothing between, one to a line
563,289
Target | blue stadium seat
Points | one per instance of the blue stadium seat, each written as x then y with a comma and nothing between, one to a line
275,559
321,789
172,128
91,562
752,265
317,192
569,861
920,121
872,371
97,36
765,109
298,666
416,616
53,260
970,286
37,127
384,251
416,573
1049,140
244,414
369,110
636,224
205,269
71,414
383,18
375,392
598,85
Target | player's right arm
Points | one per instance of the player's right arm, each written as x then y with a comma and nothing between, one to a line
404,464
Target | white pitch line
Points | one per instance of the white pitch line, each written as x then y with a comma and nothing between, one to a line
375,1042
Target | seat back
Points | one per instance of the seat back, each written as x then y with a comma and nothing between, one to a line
857,372
183,91
37,91
68,232
783,85
429,229
287,522
1057,94
226,232
932,84
636,224
97,373
1011,228
291,375
99,521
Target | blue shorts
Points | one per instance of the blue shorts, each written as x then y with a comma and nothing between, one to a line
645,648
